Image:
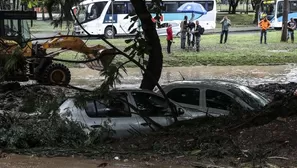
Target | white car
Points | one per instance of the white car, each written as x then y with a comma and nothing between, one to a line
175,28
213,97
119,113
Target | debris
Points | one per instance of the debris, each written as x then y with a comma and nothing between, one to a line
102,165
278,157
149,164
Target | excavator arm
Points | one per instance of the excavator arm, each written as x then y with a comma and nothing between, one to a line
76,44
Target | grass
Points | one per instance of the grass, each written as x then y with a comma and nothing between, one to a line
241,49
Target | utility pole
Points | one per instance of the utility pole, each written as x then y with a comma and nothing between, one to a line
112,19
285,21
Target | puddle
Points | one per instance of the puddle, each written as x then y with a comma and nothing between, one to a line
247,75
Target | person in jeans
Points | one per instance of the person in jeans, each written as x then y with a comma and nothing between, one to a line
226,23
190,35
183,32
197,33
169,38
291,28
264,25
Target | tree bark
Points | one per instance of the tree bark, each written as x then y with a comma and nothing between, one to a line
155,61
256,13
285,21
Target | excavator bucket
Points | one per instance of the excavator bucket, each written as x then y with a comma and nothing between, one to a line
90,53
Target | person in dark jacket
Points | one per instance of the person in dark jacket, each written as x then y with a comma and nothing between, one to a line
197,32
169,38
183,32
190,35
291,28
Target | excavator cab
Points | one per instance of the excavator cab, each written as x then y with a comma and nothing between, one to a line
14,29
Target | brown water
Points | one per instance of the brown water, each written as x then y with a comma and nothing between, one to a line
21,161
248,75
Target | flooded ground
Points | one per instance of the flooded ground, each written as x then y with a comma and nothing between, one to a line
248,75
21,161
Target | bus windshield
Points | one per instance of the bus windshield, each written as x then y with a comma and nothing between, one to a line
292,7
90,12
269,10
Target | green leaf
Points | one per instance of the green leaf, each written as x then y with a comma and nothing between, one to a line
128,48
130,27
128,41
126,17
133,31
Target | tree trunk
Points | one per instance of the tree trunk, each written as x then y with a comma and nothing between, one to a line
256,14
247,7
155,61
285,21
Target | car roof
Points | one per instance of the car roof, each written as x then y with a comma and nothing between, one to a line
205,82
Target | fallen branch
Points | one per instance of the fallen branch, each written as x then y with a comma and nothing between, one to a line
278,157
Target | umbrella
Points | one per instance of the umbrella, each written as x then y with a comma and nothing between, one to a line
192,7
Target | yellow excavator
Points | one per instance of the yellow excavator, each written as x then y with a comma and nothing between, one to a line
33,62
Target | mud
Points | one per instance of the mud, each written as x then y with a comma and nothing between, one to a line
21,161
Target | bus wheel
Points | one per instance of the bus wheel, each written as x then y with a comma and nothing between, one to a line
109,32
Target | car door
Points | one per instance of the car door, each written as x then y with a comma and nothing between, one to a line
154,107
113,115
189,99
218,102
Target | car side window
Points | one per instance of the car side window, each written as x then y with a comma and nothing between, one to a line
150,105
95,109
185,95
110,108
218,100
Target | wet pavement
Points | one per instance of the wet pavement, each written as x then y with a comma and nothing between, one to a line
247,75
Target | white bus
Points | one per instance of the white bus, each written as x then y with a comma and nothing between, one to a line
97,16
273,9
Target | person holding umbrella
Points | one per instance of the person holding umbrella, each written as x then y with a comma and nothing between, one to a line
183,32
189,7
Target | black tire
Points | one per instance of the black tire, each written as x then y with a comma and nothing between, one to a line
109,32
56,74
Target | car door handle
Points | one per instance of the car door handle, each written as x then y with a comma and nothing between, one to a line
145,124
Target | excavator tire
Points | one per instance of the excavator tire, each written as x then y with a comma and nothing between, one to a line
56,74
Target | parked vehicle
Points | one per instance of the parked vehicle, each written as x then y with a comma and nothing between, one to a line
118,113
175,28
213,97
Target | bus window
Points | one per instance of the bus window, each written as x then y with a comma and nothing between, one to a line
170,7
130,8
90,12
118,8
293,7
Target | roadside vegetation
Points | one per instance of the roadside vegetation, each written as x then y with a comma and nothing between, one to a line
241,49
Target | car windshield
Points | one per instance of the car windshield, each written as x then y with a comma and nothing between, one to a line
90,11
249,96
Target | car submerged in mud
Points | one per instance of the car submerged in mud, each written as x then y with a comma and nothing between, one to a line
213,97
119,113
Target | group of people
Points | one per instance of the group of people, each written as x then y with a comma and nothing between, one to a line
264,24
191,32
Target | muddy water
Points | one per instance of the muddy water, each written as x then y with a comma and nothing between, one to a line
21,161
248,75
